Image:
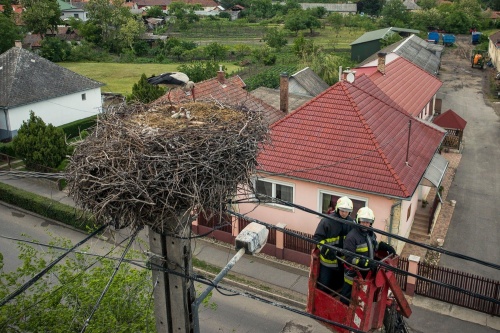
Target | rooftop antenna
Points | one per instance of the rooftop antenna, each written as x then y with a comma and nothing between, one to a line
408,143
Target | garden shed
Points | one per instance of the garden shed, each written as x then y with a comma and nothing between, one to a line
454,126
370,42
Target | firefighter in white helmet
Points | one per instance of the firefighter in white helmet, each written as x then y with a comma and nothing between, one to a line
332,233
361,241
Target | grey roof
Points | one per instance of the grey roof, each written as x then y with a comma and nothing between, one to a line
380,34
272,97
416,50
411,5
333,7
27,78
310,81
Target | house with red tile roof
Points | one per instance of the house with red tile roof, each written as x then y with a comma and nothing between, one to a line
408,85
228,91
353,139
454,125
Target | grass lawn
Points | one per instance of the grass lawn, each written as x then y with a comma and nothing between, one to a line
119,78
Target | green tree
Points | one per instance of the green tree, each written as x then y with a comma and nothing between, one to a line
371,7
303,47
9,33
216,51
39,144
155,11
395,14
201,70
65,305
295,21
7,8
311,21
427,18
275,38
427,4
41,15
131,31
390,39
54,49
144,92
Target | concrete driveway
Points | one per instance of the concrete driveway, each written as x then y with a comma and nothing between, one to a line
475,226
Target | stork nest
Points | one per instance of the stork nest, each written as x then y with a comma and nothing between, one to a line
141,166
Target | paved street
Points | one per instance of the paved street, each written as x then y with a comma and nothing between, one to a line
474,229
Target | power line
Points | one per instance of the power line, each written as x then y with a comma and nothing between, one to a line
378,263
385,233
46,269
100,257
134,235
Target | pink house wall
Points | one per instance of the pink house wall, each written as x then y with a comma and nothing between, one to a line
308,194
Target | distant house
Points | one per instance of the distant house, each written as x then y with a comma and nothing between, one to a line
341,8
75,10
416,50
297,89
350,140
411,5
494,49
408,85
369,43
29,82
18,10
229,91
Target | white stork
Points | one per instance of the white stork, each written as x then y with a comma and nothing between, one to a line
173,80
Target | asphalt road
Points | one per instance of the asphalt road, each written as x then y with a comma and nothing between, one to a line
474,229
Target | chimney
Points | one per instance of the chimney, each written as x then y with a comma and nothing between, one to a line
284,92
221,76
348,75
381,62
18,44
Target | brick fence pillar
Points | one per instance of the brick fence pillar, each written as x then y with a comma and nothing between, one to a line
280,241
411,280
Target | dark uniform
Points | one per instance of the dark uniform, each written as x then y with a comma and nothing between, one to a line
331,273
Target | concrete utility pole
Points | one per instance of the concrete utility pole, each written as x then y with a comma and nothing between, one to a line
173,294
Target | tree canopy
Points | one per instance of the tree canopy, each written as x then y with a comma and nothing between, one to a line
41,15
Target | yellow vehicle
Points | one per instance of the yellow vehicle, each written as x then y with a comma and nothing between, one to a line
478,58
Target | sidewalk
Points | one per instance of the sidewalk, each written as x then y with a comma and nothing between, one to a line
271,278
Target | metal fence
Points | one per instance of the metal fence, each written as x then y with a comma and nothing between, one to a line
221,222
292,242
271,238
472,283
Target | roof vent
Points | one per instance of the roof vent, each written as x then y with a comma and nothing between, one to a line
32,60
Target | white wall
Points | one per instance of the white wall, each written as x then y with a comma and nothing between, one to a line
59,111
82,15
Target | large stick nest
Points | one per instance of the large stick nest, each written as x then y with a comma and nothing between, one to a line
140,166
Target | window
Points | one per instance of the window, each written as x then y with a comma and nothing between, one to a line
75,15
327,198
84,97
274,189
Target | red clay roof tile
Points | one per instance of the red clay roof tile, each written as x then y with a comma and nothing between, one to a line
450,119
354,136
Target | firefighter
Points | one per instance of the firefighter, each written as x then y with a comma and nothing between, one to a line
331,232
363,242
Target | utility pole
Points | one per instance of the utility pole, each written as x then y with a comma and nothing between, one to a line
173,294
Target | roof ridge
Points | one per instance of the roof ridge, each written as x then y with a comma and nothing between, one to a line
374,140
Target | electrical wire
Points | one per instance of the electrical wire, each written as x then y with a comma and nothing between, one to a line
106,288
46,269
385,233
100,257
378,263
257,298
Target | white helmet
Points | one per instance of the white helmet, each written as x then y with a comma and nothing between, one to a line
365,214
344,203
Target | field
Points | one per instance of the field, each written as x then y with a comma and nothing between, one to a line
118,77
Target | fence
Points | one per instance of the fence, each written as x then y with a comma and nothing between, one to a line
472,283
271,238
297,244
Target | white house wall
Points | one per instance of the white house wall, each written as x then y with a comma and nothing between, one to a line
58,111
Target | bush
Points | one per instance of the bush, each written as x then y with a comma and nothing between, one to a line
7,149
46,207
76,128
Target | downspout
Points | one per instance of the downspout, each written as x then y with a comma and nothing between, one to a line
391,220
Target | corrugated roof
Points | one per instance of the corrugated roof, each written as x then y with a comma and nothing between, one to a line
310,81
407,84
27,78
450,119
332,7
230,92
380,34
414,49
411,5
352,136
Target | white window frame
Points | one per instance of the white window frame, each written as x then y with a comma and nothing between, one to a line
274,183
339,194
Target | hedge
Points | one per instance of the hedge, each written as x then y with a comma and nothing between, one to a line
46,207
72,130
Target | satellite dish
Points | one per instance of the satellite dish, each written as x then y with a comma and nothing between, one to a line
350,78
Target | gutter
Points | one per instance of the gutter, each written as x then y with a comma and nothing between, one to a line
391,219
